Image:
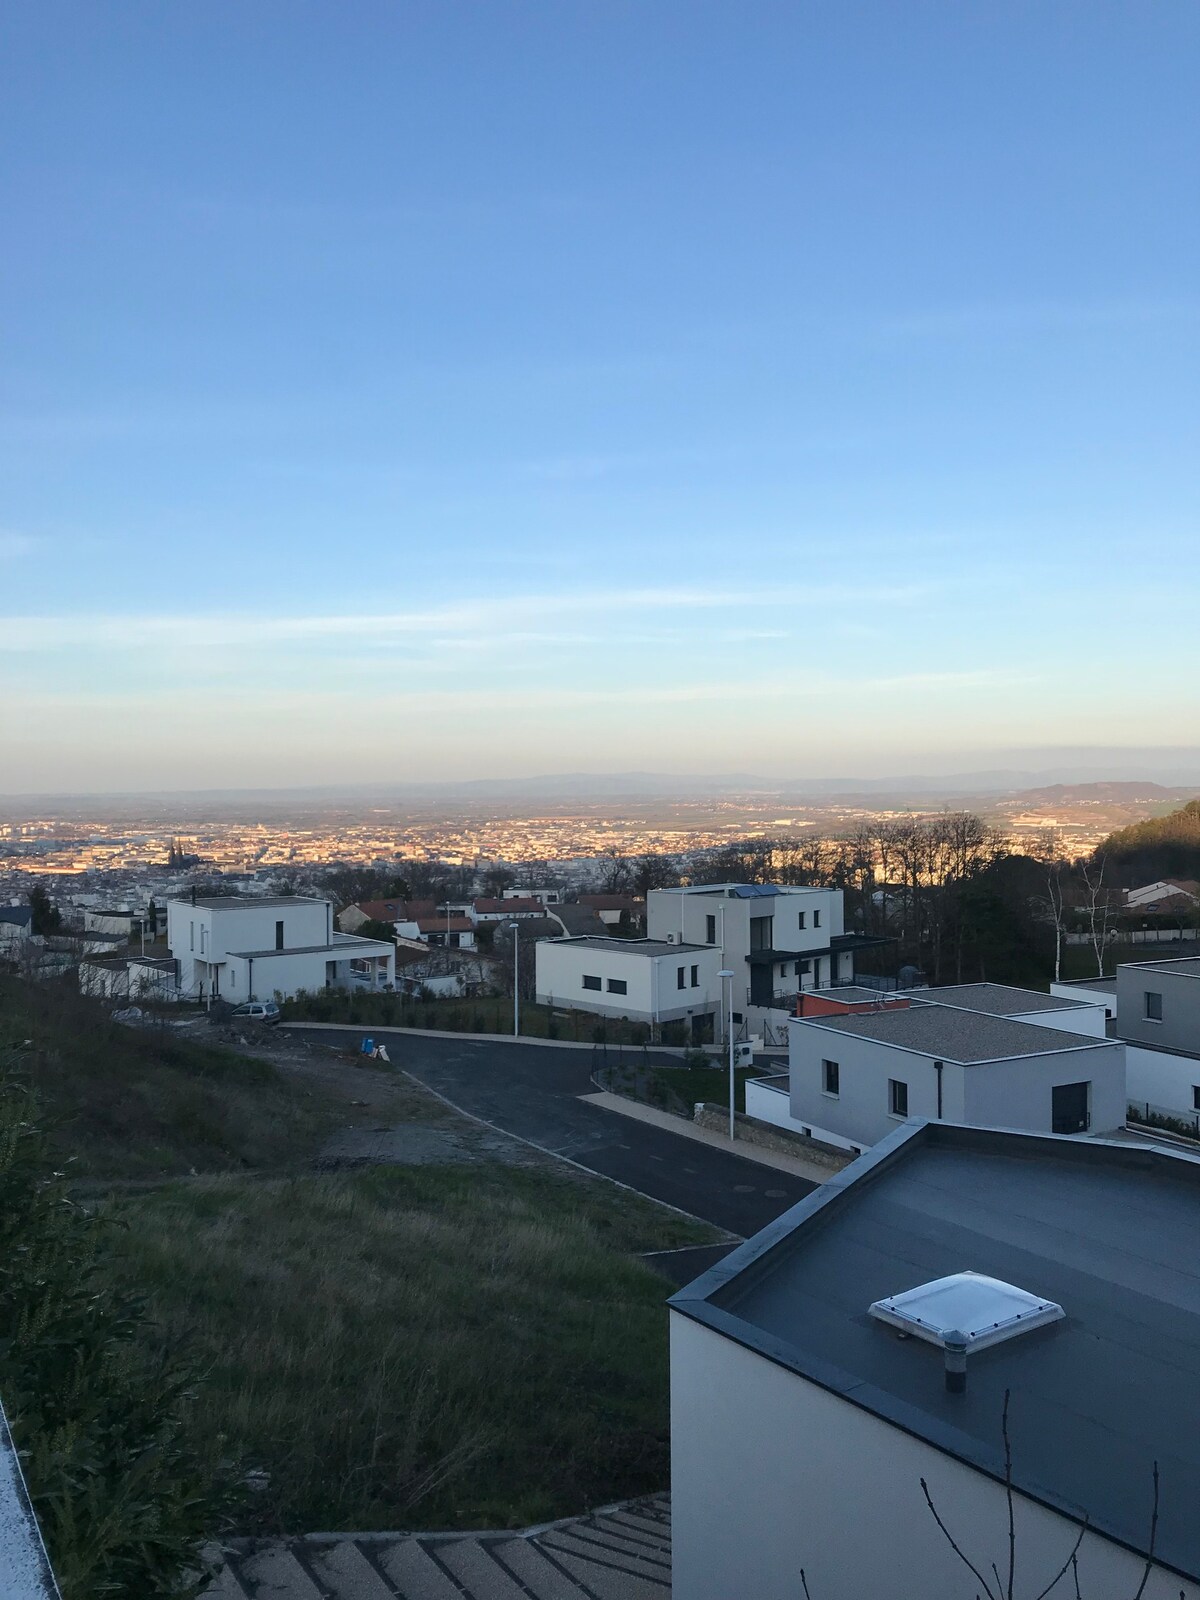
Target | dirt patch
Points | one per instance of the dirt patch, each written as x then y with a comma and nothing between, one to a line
416,1144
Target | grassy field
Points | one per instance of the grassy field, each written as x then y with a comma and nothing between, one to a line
429,1347
467,1343
133,1103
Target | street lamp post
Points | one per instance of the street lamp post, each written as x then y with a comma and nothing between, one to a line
723,974
515,928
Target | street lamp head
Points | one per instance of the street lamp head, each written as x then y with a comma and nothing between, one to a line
724,973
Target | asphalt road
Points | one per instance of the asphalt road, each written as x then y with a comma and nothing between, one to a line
534,1091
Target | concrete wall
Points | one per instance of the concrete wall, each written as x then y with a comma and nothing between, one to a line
1180,1025
771,1474
652,984
1105,999
1017,1094
1014,1093
1161,1078
210,933
859,1115
1087,1020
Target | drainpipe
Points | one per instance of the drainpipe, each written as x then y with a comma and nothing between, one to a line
937,1067
250,977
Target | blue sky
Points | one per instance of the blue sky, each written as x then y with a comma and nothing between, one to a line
441,390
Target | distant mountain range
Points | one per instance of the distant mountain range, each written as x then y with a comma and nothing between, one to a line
1077,786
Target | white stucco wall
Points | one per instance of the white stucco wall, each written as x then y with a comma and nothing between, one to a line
1087,1020
1013,1093
652,986
771,1474
996,1092
1161,1077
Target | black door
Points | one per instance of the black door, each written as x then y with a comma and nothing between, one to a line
760,984
1069,1107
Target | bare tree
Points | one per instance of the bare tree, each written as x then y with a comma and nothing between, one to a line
1099,905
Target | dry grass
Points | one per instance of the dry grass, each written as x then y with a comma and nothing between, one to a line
132,1103
433,1347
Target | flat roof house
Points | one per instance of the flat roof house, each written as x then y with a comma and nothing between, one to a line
237,950
854,1078
1154,1007
646,980
1073,1014
812,1390
777,939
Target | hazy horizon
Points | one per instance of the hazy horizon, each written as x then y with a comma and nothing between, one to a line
398,393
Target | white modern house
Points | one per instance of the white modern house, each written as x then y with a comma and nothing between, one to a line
778,940
544,897
853,1078
645,980
1154,1007
867,1341
129,978
1070,1014
237,950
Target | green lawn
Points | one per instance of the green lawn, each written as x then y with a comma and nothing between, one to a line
427,1347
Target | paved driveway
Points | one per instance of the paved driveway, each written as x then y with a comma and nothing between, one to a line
534,1091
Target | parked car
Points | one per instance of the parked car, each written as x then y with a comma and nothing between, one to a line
257,1011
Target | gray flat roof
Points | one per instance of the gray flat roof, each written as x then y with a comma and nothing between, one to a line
228,902
1108,1230
996,999
632,947
1097,985
950,1034
1186,966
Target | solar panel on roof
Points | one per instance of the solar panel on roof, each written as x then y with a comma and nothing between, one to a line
755,891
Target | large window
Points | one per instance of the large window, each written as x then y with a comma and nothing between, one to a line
897,1097
816,919
760,933
1153,1006
710,930
830,1077
803,920
279,936
617,986
681,978
695,977
590,982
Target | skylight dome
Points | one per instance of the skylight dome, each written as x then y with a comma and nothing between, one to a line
966,1307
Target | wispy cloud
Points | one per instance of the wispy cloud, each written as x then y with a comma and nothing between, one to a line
509,618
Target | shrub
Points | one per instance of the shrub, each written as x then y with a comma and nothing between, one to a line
123,1498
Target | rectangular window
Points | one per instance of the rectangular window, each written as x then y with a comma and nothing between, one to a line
804,967
1196,1097
897,1097
695,977
816,919
203,940
1153,1006
191,935
680,978
760,933
710,930
803,920
617,986
279,936
737,1017
590,982
830,1077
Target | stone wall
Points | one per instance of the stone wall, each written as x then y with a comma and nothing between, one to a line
716,1119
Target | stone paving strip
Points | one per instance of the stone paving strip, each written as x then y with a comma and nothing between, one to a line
620,1552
